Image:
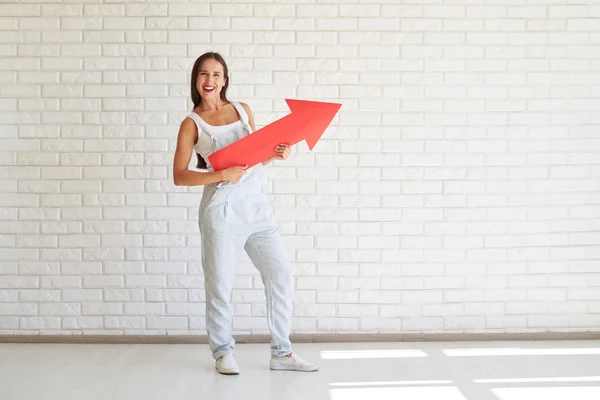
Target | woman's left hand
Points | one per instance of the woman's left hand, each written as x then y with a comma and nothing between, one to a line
282,152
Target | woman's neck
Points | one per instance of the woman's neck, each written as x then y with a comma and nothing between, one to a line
216,105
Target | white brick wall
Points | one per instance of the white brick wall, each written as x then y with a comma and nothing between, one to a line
458,189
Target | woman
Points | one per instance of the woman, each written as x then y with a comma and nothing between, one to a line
234,213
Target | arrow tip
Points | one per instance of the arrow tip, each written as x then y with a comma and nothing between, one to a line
313,106
317,116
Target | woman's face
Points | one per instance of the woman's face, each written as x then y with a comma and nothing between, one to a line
211,79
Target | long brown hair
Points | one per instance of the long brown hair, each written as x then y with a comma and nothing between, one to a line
196,98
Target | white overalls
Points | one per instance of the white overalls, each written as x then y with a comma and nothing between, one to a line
235,216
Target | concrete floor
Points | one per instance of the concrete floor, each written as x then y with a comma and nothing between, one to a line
546,370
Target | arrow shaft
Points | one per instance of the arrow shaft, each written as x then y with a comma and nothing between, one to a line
307,121
273,134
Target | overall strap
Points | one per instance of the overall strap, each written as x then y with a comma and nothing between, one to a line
200,124
243,115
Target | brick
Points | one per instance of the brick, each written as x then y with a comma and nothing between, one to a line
9,296
125,322
8,309
41,323
424,324
9,323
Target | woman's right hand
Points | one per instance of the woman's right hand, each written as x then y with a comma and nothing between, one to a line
233,174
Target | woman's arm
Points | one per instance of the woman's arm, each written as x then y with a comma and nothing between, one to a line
282,152
182,176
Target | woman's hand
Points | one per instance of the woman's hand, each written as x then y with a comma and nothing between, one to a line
282,152
233,174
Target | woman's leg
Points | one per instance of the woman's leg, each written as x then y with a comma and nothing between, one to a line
266,250
222,241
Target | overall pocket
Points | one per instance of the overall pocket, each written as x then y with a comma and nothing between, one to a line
213,213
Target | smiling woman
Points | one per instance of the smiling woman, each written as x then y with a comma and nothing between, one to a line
210,75
235,214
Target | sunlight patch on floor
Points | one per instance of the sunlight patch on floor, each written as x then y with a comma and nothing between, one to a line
404,393
548,393
357,354
517,351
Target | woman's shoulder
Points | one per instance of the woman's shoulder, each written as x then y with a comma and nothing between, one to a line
191,124
188,120
191,119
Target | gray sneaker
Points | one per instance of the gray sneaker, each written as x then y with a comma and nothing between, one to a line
226,365
293,363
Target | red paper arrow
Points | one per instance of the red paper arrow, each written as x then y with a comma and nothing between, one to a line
307,121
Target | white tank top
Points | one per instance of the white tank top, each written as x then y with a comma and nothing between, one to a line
212,138
205,145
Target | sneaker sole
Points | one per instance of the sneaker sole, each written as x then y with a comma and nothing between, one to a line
289,368
228,373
